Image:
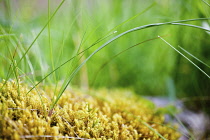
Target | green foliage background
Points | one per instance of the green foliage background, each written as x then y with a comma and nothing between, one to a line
151,68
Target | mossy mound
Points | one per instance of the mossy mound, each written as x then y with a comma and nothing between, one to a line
97,115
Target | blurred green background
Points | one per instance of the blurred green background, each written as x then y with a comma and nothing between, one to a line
151,68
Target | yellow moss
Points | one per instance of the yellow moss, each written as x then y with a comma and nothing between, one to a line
100,115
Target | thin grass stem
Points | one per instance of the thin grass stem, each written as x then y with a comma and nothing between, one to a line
120,35
186,58
194,57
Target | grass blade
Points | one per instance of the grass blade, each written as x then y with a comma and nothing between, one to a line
186,58
194,57
120,35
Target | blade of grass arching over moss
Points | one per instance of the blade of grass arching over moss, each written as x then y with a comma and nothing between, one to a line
61,3
138,28
157,24
120,35
99,40
194,57
113,57
186,58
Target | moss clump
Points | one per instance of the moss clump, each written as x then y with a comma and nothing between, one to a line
97,115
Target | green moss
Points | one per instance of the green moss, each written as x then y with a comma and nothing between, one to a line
100,114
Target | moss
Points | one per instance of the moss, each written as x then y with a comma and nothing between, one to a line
101,114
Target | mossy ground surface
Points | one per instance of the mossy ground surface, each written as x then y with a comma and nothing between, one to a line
100,114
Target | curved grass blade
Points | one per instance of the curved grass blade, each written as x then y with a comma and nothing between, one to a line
120,35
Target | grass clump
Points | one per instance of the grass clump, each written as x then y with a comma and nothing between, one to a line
101,114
